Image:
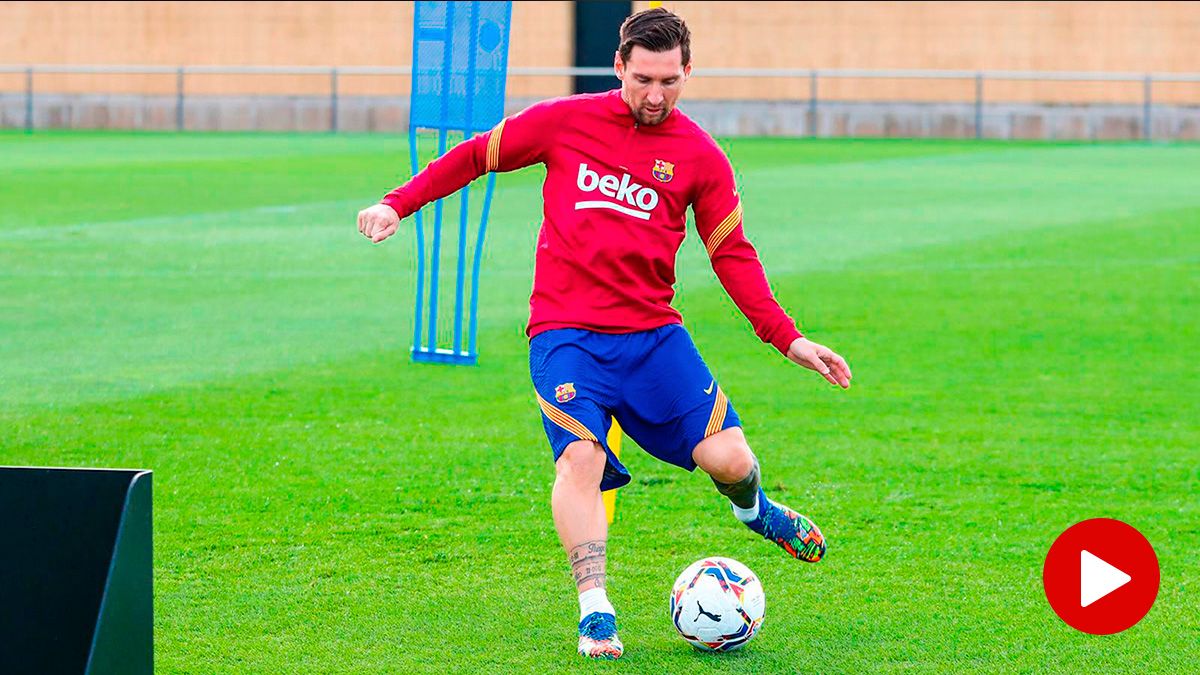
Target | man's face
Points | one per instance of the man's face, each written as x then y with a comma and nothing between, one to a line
651,82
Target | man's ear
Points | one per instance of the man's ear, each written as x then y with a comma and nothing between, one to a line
618,66
687,71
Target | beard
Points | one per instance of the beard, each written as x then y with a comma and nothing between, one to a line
651,118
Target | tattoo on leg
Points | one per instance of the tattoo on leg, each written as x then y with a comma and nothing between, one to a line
596,581
744,491
588,564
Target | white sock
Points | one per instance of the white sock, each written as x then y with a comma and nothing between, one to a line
594,600
746,515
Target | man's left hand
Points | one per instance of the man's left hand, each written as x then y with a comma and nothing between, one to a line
821,359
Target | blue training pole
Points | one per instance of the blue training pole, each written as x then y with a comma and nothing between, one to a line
460,57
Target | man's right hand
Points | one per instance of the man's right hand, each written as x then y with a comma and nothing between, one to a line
378,222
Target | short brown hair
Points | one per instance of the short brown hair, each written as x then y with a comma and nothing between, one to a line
658,30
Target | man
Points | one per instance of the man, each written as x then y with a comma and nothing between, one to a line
622,169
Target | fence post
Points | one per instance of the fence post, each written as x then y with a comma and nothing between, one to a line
1147,99
812,104
29,100
179,99
978,105
333,100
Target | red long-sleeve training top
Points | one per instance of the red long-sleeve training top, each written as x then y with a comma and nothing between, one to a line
616,198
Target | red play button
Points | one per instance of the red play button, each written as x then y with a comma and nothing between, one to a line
1101,576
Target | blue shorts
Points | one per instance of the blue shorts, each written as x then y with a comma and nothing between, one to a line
653,382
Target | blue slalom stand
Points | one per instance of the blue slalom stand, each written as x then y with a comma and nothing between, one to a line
460,66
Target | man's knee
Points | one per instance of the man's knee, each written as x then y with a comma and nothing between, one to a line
582,460
739,463
743,489
726,456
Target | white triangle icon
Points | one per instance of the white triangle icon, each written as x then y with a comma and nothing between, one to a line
1097,578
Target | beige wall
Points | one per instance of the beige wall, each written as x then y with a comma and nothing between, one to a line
252,33
1101,36
1106,36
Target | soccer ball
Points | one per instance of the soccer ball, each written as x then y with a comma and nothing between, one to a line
717,604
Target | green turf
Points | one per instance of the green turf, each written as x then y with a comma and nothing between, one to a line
1021,320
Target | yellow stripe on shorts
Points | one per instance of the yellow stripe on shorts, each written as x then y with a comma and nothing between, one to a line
565,421
717,419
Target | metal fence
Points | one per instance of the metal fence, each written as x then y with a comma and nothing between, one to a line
813,77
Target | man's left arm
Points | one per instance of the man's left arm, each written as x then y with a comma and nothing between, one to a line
718,211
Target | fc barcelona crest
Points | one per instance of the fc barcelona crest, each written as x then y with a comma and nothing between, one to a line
663,171
564,392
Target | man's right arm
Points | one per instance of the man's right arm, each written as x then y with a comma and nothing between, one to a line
517,142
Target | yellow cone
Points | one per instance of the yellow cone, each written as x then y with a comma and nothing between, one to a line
610,496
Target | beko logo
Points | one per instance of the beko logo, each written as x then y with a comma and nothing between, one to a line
641,199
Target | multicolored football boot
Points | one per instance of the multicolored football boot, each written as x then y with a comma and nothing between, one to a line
794,533
598,637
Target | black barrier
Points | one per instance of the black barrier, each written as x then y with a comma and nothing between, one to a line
76,585
596,26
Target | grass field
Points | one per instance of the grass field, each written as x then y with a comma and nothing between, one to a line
1022,321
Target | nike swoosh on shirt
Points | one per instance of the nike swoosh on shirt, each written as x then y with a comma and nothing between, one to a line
710,387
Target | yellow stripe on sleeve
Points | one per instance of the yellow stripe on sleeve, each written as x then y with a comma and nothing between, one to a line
493,147
722,231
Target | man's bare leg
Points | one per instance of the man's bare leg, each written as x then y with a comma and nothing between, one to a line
583,530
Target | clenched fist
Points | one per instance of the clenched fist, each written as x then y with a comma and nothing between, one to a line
378,222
